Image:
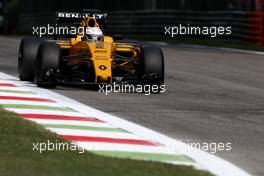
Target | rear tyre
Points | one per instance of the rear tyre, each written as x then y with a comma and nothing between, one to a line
152,66
48,59
27,57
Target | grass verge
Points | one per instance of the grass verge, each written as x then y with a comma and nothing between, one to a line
17,157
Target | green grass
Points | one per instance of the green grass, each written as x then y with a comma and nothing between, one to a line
17,157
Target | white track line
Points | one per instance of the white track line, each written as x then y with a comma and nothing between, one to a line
51,104
13,88
84,133
37,111
72,122
22,95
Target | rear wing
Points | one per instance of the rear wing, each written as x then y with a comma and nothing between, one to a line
70,18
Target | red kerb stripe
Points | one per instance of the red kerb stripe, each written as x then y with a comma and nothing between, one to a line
60,117
25,99
109,140
7,85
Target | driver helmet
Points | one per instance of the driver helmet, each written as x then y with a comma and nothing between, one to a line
94,34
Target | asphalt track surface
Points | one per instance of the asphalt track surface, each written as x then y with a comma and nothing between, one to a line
212,95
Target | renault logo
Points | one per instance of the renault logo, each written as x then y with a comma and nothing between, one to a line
102,67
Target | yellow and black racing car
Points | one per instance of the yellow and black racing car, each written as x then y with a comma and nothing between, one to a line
89,57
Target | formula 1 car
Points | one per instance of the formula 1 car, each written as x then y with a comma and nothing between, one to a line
88,57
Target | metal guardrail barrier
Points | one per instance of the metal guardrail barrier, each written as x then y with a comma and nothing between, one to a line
246,26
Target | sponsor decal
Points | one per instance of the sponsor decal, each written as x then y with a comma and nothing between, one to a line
80,15
101,58
100,51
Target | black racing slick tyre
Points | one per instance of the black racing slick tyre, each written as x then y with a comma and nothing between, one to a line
152,65
27,57
48,58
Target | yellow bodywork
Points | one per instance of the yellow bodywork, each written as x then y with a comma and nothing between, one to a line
100,53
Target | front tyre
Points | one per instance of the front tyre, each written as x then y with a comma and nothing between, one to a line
27,57
48,59
152,65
